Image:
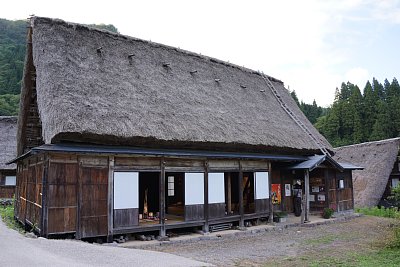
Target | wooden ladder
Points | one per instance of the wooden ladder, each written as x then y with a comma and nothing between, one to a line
316,140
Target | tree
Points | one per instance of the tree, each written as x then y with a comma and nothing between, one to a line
370,109
393,100
356,109
295,98
381,128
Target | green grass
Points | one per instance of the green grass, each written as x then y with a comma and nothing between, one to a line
380,212
7,214
387,256
320,241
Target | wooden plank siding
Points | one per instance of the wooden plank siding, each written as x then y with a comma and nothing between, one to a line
75,190
62,197
6,191
93,185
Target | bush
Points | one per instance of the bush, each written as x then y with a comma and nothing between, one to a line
7,214
380,212
327,213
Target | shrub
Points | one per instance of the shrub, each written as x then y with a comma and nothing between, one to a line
327,213
380,212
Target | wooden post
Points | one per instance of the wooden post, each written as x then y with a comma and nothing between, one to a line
79,193
163,231
229,193
306,194
271,205
110,203
45,211
241,210
206,207
352,189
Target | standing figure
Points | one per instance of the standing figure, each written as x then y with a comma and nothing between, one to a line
297,194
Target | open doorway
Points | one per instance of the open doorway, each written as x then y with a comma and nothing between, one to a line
248,192
175,197
231,193
149,198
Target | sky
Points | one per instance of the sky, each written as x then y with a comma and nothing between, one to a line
312,46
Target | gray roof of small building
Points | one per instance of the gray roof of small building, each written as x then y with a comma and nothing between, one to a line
377,158
313,162
8,141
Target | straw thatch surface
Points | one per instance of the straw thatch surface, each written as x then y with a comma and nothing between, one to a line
104,96
378,159
8,141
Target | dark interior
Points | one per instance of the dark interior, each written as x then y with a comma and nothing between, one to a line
248,192
175,199
232,190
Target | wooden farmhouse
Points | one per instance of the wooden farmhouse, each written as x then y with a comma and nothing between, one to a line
119,135
373,185
8,151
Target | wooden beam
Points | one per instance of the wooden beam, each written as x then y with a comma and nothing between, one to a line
45,211
110,204
206,207
306,194
229,192
241,209
352,189
271,206
163,231
79,206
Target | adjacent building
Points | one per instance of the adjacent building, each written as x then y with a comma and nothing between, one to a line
380,160
8,151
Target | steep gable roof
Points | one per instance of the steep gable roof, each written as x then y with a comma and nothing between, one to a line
8,141
100,87
378,159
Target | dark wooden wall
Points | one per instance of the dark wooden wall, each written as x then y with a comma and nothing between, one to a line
28,194
6,191
62,196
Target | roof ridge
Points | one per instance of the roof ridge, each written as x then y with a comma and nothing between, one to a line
372,142
155,44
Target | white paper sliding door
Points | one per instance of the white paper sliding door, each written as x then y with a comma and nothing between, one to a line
262,185
126,199
194,188
216,188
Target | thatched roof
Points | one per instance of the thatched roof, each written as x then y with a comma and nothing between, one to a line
100,87
378,159
8,141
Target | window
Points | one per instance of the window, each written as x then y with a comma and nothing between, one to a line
10,180
171,186
395,182
341,184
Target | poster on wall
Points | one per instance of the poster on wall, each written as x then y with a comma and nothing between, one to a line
311,198
288,192
315,189
321,197
276,194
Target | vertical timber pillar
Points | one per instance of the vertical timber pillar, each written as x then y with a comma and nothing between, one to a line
44,220
206,207
241,209
163,231
306,194
271,206
111,162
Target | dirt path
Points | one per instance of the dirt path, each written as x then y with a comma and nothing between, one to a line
288,247
17,250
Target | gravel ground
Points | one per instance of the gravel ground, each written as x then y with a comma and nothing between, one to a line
18,250
273,247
